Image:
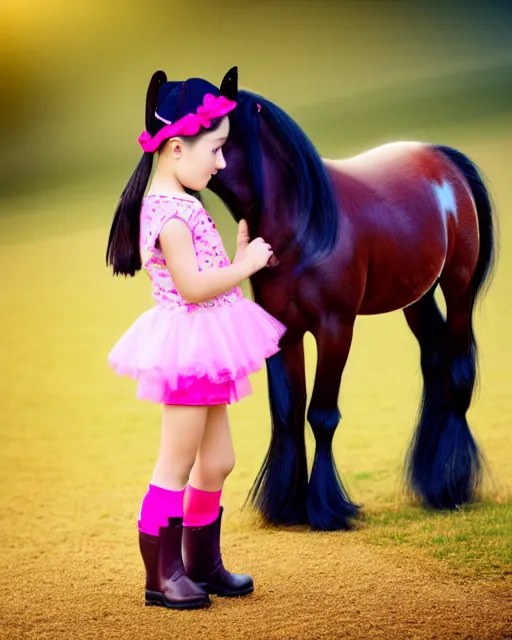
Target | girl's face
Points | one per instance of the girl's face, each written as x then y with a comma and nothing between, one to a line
200,160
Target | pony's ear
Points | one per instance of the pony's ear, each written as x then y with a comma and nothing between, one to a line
157,80
229,85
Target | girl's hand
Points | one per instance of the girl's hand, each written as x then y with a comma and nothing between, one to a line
242,241
257,254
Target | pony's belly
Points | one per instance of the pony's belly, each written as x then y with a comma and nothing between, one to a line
388,290
399,300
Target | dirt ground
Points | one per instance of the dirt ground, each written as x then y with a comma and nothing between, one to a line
307,586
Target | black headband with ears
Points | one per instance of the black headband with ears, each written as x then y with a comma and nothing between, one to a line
170,102
229,84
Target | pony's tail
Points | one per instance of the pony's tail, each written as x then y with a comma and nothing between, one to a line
486,219
123,242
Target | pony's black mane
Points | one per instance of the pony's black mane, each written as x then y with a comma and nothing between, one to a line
305,171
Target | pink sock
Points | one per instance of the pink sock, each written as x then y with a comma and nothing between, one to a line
200,507
158,505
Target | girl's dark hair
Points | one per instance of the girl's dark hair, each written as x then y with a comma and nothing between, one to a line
123,242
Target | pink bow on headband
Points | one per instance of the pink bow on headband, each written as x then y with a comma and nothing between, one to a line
189,125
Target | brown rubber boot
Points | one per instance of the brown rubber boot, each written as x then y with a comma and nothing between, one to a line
203,562
167,585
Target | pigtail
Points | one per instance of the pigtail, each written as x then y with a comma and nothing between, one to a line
123,242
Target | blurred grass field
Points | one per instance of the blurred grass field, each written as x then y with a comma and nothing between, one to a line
71,425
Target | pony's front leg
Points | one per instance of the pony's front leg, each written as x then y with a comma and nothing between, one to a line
328,504
280,489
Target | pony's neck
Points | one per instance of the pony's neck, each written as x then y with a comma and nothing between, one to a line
278,221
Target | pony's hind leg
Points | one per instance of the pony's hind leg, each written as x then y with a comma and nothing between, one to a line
329,506
466,458
443,461
280,489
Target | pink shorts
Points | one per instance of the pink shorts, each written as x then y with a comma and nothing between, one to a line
202,392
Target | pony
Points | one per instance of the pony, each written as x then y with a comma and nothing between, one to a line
370,234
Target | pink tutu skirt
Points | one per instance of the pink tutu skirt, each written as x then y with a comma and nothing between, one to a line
197,355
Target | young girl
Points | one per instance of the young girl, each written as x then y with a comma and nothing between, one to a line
192,352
